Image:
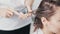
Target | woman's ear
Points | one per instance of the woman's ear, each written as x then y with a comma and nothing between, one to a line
44,20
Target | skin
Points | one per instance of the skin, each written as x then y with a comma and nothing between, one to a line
6,12
53,25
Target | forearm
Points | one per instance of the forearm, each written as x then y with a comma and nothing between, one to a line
29,4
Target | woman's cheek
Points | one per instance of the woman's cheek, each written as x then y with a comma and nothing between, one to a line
54,26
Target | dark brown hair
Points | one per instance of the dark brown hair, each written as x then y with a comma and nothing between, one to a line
45,9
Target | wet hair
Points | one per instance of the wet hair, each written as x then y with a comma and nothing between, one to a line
45,9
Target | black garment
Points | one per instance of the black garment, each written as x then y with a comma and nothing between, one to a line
24,30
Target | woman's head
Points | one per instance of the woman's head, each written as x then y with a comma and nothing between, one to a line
48,15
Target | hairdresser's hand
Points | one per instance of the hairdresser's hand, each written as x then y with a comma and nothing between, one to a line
6,12
24,16
9,12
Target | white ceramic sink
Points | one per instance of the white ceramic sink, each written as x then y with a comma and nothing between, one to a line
13,22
